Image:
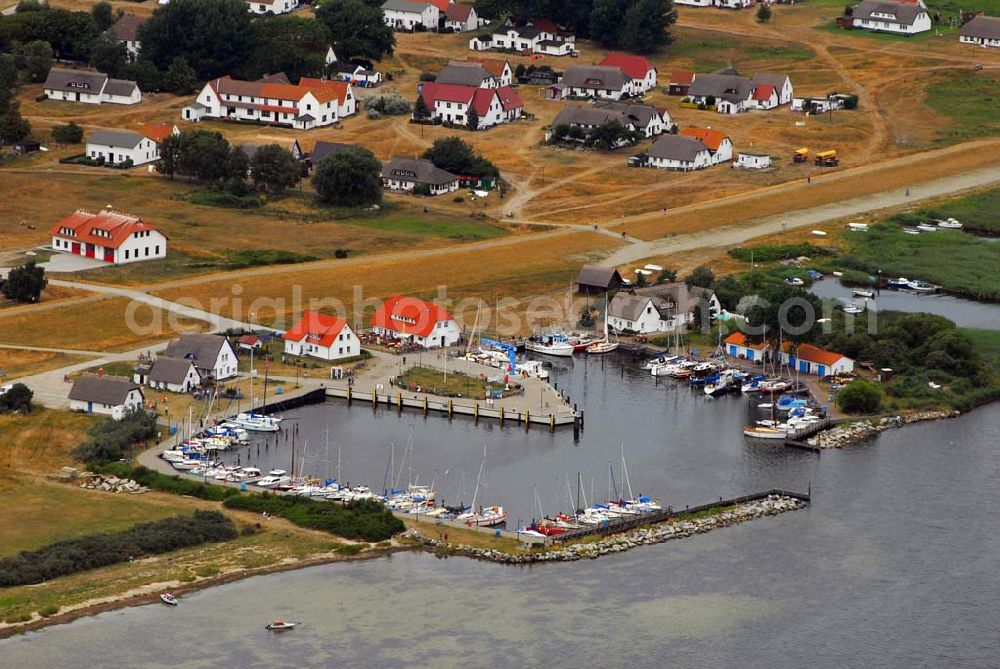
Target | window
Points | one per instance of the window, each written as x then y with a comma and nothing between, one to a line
147,251
157,251
126,254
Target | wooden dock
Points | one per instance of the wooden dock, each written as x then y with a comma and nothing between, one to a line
477,410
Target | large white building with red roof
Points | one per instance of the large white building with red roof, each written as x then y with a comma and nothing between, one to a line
320,336
109,236
450,103
639,69
415,321
312,103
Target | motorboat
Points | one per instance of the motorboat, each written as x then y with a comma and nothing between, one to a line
661,360
168,599
950,223
901,283
555,345
275,478
923,287
795,281
763,432
256,422
852,308
867,294
279,626
186,465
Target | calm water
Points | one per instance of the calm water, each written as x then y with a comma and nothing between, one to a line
894,565
965,313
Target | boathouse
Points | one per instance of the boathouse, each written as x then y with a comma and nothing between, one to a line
809,359
738,346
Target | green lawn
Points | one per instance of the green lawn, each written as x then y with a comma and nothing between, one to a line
433,381
970,100
947,33
988,344
433,225
710,53
979,212
954,7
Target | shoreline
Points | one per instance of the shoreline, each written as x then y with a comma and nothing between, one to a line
860,431
126,600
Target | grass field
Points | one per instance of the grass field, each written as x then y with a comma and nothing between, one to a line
31,446
91,326
969,100
15,363
977,212
435,382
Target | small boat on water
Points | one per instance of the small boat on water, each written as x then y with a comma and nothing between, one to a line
923,287
279,626
764,432
867,294
902,283
551,345
256,422
602,346
168,599
852,308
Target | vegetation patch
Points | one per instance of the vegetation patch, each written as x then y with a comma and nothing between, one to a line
110,440
259,257
970,101
773,252
366,520
172,484
100,550
452,384
977,212
215,198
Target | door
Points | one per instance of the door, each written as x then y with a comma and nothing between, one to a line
822,370
109,255
90,250
90,407
804,366
76,248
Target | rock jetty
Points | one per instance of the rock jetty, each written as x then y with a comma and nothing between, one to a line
850,434
113,484
617,543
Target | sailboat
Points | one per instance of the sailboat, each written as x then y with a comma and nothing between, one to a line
252,420
604,345
484,517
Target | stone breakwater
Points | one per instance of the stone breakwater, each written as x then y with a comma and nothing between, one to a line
113,484
618,543
849,434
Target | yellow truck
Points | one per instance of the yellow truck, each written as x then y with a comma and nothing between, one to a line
827,158
801,155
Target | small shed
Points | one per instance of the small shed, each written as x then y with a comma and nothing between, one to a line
597,279
26,146
752,161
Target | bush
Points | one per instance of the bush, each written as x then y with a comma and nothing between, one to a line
340,253
100,550
110,439
773,252
171,484
860,397
428,76
763,13
387,104
367,520
213,198
48,611
16,400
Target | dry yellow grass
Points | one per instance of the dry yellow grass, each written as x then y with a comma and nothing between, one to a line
15,363
96,326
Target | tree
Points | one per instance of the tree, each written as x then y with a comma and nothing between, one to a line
215,36
644,28
170,150
25,283
667,276
17,399
274,169
71,35
357,29
144,73
70,133
701,276
104,15
454,155
110,57
421,112
472,119
291,44
202,155
763,13
29,6
13,127
180,79
349,178
237,168
860,397
606,19
35,58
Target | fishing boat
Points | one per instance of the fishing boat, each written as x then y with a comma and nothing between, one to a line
168,599
555,345
279,626
950,223
256,422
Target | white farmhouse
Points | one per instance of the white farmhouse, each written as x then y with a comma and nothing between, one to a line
213,356
900,18
175,375
641,71
109,236
415,321
126,31
274,7
89,87
592,81
111,396
320,336
407,174
981,30
461,17
451,103
674,152
116,147
407,15
312,103
718,143
661,308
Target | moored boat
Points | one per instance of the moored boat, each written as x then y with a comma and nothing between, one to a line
279,626
256,422
168,599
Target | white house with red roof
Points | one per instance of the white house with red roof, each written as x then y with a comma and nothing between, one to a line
320,336
642,72
109,236
811,359
312,103
450,103
416,321
461,17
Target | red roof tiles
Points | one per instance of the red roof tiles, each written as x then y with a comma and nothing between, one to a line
635,67
710,138
107,228
409,315
316,328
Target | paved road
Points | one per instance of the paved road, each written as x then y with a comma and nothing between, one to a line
737,234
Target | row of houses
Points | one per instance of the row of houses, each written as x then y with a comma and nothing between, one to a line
691,149
411,15
804,358
732,93
646,119
616,77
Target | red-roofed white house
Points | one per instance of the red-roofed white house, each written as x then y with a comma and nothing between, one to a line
311,103
414,320
764,96
450,103
641,71
109,236
814,360
461,17
320,336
